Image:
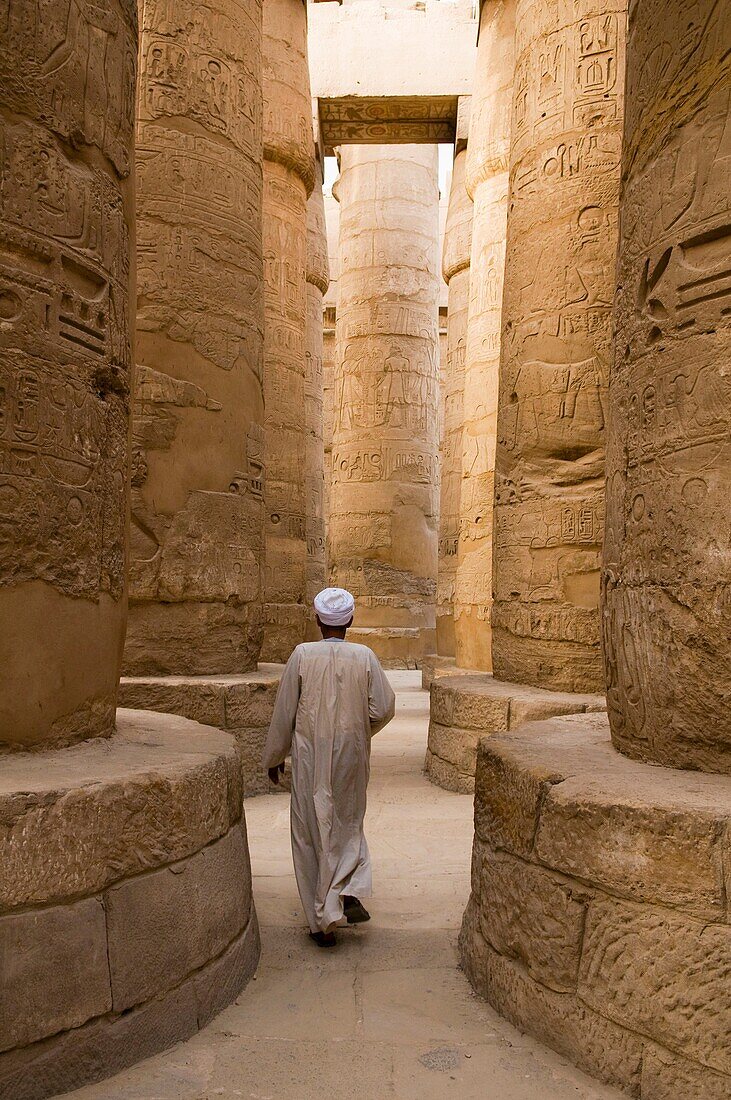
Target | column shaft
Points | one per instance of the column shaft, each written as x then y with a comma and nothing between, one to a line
456,271
487,183
559,284
317,283
288,181
667,570
67,223
383,534
197,510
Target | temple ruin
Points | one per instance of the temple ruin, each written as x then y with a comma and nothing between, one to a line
428,299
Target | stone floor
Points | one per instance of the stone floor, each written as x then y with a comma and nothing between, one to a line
386,1014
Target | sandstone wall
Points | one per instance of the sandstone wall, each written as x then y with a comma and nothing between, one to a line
289,177
456,271
559,286
197,473
318,278
67,220
667,573
383,518
487,183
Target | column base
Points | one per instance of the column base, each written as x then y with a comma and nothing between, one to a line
598,920
240,705
470,705
126,909
433,665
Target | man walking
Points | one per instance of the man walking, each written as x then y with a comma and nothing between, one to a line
332,699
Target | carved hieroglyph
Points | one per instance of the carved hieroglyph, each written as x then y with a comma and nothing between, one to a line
487,183
318,278
559,284
456,271
289,176
197,510
67,80
667,575
383,520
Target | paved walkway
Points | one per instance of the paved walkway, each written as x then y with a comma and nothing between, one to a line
387,1014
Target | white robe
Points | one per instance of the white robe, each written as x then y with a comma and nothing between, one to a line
332,698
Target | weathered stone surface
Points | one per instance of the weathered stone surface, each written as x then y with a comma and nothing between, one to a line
99,1049
534,917
108,1045
509,792
164,925
559,287
318,278
594,1043
201,699
219,983
667,575
197,511
53,970
383,534
433,666
667,1076
486,180
159,790
447,776
66,215
661,974
456,272
289,177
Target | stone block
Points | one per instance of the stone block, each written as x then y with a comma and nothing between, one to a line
532,916
480,711
447,776
560,1020
455,746
250,704
667,1076
159,790
508,797
662,974
200,699
220,983
53,971
165,925
99,1049
631,844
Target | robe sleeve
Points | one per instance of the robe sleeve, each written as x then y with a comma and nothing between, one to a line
281,729
381,699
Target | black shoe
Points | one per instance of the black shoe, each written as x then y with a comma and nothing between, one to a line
323,939
355,912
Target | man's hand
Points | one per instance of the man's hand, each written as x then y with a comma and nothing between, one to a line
274,773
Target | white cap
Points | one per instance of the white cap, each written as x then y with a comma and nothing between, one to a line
334,606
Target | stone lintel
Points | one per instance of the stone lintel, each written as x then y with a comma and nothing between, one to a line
598,920
466,706
395,120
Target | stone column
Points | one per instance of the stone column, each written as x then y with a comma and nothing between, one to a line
383,524
456,271
67,222
197,509
318,278
289,176
667,570
559,284
486,177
